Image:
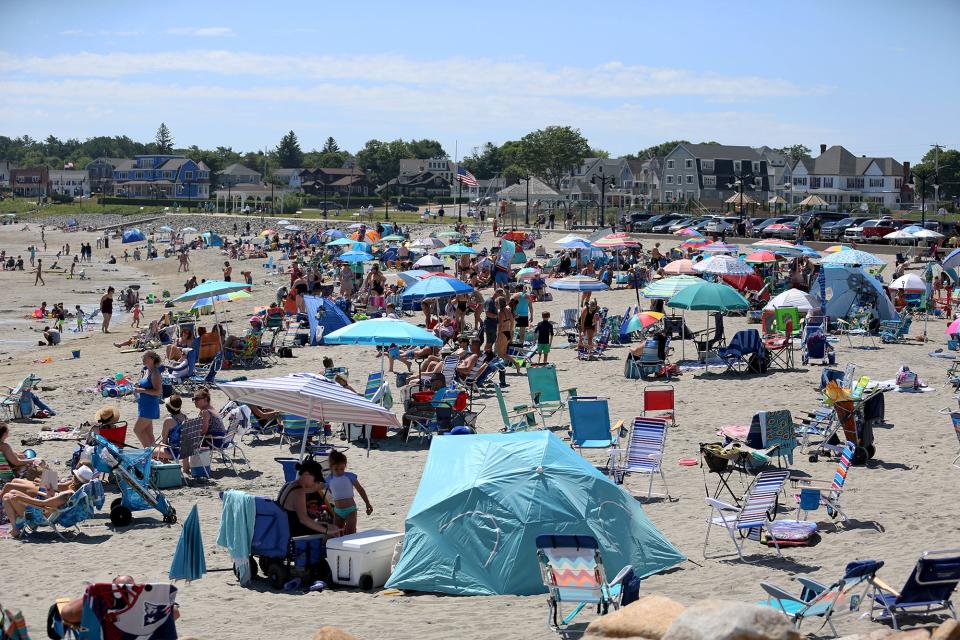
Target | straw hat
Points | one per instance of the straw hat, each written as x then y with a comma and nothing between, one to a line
174,404
107,414
83,473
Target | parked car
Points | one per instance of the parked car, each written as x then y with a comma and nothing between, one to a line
758,229
683,223
835,230
664,225
406,206
726,224
883,226
647,225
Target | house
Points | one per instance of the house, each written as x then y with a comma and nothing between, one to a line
100,173
584,182
238,174
845,181
291,177
162,176
426,184
779,172
412,167
711,173
646,180
70,182
341,181
30,182
4,174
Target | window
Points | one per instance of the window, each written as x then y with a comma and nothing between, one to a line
670,164
756,167
709,181
188,175
854,183
799,182
814,182
736,166
897,183
138,175
876,182
689,179
669,179
706,166
668,195
689,195
688,164
828,183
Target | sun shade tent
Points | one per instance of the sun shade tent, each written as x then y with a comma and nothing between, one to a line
132,235
849,287
801,300
323,312
484,499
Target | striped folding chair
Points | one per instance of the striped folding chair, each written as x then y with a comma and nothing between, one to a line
831,500
644,452
449,369
955,418
374,383
761,499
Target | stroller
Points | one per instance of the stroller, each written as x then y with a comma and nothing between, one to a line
132,473
280,557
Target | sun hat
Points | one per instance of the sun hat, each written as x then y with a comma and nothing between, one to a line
83,473
255,320
107,413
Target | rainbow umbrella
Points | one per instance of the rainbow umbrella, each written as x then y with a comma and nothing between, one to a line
695,243
528,273
835,248
643,320
266,232
220,299
680,267
719,247
616,241
688,231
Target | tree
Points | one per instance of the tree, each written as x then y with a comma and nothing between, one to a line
794,152
657,150
552,152
289,153
382,159
947,169
425,149
330,145
164,139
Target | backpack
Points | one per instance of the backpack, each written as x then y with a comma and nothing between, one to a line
758,363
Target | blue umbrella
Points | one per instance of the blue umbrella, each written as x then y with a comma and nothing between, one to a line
436,288
575,243
853,257
188,561
952,260
578,283
355,256
457,250
341,242
334,233
383,331
209,289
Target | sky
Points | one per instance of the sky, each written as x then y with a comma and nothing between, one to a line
879,77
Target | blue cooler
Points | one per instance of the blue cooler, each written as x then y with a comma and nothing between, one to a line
289,468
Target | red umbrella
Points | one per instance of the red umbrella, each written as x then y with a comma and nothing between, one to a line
751,282
761,257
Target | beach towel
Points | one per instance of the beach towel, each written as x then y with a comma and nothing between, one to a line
236,530
129,612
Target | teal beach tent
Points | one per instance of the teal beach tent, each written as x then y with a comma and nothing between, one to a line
484,499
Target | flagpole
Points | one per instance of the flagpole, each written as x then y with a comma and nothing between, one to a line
456,157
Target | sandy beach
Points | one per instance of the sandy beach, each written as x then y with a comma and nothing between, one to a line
900,504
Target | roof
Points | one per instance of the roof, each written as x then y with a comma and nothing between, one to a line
538,190
721,151
237,169
346,181
838,161
287,172
424,177
173,163
111,161
127,164
341,171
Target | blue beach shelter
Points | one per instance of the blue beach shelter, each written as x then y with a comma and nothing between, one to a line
848,288
212,239
322,312
483,500
132,235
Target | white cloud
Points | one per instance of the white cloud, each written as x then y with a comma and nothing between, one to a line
203,32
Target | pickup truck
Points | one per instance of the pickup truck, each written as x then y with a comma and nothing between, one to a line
883,226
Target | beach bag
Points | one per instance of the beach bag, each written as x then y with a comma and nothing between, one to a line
907,379
631,369
758,363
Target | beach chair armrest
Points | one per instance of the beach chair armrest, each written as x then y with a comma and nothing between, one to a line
814,587
519,414
883,586
720,505
779,594
571,392
797,482
617,428
617,579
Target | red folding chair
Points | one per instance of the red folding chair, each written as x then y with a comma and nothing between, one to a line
659,399
116,433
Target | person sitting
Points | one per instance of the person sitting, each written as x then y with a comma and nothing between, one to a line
12,464
184,340
212,425
170,430
16,502
293,499
266,417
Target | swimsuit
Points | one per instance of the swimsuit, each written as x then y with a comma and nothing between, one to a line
148,406
343,512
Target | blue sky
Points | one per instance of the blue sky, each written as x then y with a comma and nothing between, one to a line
879,77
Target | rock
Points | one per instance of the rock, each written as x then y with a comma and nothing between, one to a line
949,630
725,620
332,633
649,617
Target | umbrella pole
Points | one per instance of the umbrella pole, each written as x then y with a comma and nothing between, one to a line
683,337
706,357
306,430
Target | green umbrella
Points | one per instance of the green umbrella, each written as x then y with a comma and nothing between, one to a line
392,238
709,296
666,288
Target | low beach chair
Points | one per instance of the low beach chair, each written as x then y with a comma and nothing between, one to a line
811,497
546,394
706,340
294,428
752,517
375,386
572,571
744,344
822,601
147,613
783,314
569,319
590,424
227,447
774,433
928,589
521,418
661,400
780,346
81,506
643,454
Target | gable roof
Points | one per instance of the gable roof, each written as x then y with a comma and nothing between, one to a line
838,161
237,169
287,172
721,152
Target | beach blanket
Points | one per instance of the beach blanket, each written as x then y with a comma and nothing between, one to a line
129,612
236,530
891,385
693,365
734,432
51,436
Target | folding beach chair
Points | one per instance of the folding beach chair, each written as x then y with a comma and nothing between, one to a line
144,611
780,346
660,399
12,625
569,319
653,358
812,497
16,404
590,424
449,369
955,419
895,330
374,388
775,433
744,344
822,601
548,399
572,571
782,314
752,517
705,341
928,589
227,447
520,419
81,506
643,454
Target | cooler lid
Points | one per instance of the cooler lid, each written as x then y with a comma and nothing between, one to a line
369,538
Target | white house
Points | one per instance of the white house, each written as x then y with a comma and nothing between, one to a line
70,182
844,180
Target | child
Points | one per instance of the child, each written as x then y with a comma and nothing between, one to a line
544,331
137,310
340,485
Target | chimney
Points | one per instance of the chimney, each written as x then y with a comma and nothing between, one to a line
906,172
823,149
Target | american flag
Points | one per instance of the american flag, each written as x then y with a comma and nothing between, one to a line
466,177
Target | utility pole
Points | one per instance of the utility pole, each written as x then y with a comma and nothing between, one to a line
936,172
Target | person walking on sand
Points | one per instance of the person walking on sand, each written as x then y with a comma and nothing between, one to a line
39,273
227,271
106,309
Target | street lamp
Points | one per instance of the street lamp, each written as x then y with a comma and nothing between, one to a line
924,177
604,181
741,183
526,210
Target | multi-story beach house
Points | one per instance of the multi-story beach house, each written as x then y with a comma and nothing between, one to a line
162,176
844,180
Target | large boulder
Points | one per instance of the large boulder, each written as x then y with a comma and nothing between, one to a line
725,620
648,618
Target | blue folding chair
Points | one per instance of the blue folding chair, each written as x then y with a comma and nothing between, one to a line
928,589
744,344
82,505
590,424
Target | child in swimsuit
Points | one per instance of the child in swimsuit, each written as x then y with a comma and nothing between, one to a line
340,485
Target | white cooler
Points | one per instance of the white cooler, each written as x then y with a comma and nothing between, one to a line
362,559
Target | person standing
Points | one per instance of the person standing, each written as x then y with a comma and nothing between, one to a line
33,255
227,271
544,330
491,320
39,273
524,311
106,309
148,390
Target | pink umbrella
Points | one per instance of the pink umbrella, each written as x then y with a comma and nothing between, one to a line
953,327
680,267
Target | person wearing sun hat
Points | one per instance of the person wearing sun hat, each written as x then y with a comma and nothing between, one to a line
16,502
107,415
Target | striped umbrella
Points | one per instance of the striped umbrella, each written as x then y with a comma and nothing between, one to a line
312,397
666,288
695,243
719,247
616,241
779,247
225,297
835,248
724,266
643,320
578,283
688,231
850,257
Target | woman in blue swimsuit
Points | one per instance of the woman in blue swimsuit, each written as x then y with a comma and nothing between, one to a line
149,390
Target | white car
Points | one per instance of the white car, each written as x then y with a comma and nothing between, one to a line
721,225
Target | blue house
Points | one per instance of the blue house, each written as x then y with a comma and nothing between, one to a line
162,176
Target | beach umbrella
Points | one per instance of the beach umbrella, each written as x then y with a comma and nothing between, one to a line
666,288
761,257
910,282
615,241
226,297
952,260
293,227
528,273
578,283
283,222
370,235
569,237
165,229
813,201
803,301
719,247
450,234
643,320
382,332
678,267
342,242
778,247
575,243
953,327
266,232
310,396
393,238
188,561
928,234
334,233
708,296
688,231
209,289
428,242
189,230
457,250
835,248
723,265
849,257
428,261
355,256
435,288
695,243
900,234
